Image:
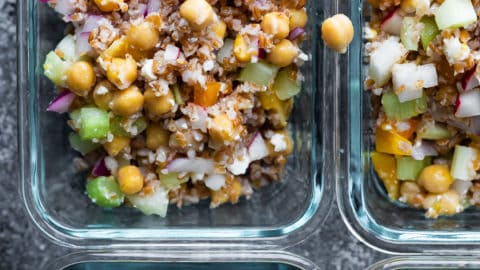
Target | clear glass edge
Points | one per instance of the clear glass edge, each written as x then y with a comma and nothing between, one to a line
181,256
349,166
426,262
220,238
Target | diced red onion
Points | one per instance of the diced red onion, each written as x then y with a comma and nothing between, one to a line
65,7
295,33
142,9
100,169
153,6
62,102
423,149
172,53
200,120
82,45
92,22
191,165
44,1
262,54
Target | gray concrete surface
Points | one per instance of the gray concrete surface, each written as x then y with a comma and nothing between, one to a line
22,246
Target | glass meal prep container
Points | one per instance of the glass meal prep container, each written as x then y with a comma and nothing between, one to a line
279,215
365,207
181,260
430,263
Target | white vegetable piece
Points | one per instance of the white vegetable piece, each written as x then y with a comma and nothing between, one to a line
410,33
382,60
454,14
468,104
410,79
392,23
462,163
258,148
454,50
215,182
240,163
155,203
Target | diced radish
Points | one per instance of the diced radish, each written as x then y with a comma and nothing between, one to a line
455,13
65,7
462,163
409,33
155,203
409,80
82,45
383,58
153,6
470,79
215,182
66,48
240,164
428,74
392,23
468,104
226,51
422,149
258,148
172,53
191,165
62,102
100,169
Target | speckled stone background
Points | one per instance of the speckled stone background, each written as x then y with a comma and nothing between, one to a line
23,247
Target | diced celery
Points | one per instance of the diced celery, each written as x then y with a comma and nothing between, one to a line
409,34
105,192
429,31
409,168
462,163
117,129
140,124
66,49
260,73
433,131
153,203
75,116
455,14
171,180
284,86
82,146
394,109
55,68
177,95
94,123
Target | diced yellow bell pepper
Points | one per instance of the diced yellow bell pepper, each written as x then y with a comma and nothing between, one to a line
219,28
270,101
116,145
118,49
206,97
240,49
390,142
407,133
386,168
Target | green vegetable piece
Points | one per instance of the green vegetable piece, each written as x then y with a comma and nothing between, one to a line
429,31
82,146
409,34
396,110
66,48
75,117
155,203
409,168
455,13
55,68
284,86
105,192
117,129
177,95
433,131
171,180
462,163
94,123
260,73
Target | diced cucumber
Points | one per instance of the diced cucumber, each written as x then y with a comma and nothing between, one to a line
117,129
75,117
82,146
94,123
394,109
177,95
284,86
260,73
105,192
455,13
409,168
55,68
66,49
155,203
409,35
171,180
429,31
433,131
462,163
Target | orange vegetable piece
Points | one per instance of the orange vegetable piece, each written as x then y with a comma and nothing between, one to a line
206,97
390,142
413,124
386,168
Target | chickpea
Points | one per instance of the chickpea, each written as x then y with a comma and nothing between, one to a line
109,5
298,18
157,106
103,94
411,193
130,179
122,72
447,203
117,144
435,178
143,36
276,24
81,78
156,136
283,53
127,102
337,32
222,128
198,13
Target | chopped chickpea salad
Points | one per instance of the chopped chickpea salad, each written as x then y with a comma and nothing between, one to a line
172,101
424,78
